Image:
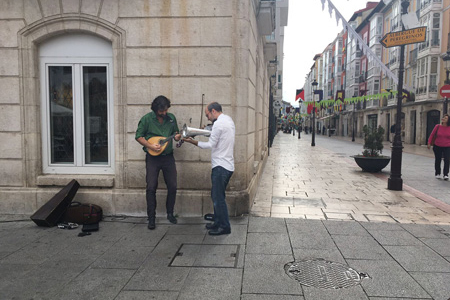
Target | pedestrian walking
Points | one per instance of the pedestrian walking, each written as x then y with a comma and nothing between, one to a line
440,140
392,132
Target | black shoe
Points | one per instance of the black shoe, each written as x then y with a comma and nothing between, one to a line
219,231
151,224
210,226
209,217
172,218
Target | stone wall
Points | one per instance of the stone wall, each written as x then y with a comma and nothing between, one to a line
192,51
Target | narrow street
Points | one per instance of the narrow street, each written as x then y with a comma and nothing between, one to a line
324,182
417,169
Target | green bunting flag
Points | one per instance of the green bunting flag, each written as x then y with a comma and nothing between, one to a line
352,100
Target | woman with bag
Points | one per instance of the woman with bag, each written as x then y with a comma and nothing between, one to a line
440,140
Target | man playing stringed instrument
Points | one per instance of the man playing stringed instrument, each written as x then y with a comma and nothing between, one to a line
155,133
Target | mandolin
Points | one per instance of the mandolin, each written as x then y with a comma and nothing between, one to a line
161,140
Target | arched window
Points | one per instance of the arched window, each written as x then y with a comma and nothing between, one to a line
76,105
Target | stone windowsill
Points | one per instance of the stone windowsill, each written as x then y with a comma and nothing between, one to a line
98,181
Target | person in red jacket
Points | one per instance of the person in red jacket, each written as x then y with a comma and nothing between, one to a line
440,140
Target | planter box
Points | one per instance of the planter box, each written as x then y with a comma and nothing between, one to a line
372,164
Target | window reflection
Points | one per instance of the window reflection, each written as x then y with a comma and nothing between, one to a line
95,115
61,114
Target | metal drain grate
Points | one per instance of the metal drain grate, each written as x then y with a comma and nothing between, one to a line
323,274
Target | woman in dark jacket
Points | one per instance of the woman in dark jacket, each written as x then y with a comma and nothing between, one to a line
440,140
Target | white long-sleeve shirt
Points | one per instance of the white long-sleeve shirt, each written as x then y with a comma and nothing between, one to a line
221,143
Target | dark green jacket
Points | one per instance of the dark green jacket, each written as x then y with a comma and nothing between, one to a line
149,127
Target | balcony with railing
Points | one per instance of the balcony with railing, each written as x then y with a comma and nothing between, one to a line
429,4
435,42
354,80
393,60
394,26
363,77
373,103
392,102
424,45
421,90
413,57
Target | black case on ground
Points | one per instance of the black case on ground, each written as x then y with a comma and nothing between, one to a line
90,227
51,212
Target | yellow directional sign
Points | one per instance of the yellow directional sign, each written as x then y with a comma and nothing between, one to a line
405,37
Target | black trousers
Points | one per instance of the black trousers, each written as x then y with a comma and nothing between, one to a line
154,164
438,153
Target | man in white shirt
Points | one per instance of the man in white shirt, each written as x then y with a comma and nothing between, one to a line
221,143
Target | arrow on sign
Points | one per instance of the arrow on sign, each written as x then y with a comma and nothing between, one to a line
405,37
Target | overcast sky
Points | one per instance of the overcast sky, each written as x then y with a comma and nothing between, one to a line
309,31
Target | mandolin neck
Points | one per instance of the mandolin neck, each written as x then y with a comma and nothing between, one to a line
163,141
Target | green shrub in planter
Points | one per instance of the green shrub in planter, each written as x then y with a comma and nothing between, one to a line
373,141
371,159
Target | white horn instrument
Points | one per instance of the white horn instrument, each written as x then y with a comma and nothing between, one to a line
192,132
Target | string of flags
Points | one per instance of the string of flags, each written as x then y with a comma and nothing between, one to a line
340,101
352,34
300,94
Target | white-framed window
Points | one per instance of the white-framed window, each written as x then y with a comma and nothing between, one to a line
433,87
422,76
435,32
77,105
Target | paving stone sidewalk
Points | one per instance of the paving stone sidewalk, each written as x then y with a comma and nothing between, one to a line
125,260
328,232
307,182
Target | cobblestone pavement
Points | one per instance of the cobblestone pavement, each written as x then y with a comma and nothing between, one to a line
323,182
328,231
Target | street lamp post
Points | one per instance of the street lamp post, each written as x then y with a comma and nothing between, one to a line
314,88
395,181
299,128
446,60
329,126
353,120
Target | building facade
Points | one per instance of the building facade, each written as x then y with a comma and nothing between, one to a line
424,74
76,77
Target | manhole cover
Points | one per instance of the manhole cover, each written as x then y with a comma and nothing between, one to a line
323,274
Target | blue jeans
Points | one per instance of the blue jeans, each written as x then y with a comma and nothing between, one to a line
220,178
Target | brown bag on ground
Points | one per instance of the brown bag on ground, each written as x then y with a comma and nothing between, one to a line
83,213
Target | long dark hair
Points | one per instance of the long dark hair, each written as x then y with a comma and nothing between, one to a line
448,120
160,103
